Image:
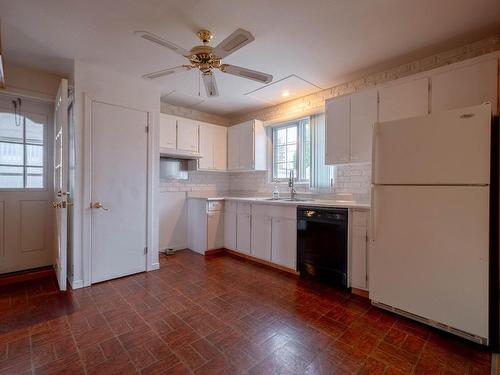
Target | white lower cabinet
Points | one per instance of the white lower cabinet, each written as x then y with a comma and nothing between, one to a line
230,219
261,237
243,233
284,242
359,248
215,230
230,230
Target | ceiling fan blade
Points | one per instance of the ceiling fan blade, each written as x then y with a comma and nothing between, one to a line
254,75
210,84
162,42
233,42
166,72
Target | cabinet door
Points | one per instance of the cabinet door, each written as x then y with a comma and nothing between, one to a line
403,100
215,230
364,113
337,146
187,135
261,237
206,147
168,131
230,230
359,271
246,146
243,235
284,242
220,147
466,86
233,141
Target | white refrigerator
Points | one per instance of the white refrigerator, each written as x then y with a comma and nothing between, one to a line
429,256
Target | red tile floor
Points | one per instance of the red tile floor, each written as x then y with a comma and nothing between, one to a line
217,315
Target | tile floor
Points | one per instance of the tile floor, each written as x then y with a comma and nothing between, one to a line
216,315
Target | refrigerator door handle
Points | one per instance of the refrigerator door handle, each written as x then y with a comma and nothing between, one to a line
374,142
373,227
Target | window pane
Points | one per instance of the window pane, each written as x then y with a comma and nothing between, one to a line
34,129
34,177
34,155
9,131
280,138
280,154
292,135
11,177
11,153
280,170
291,153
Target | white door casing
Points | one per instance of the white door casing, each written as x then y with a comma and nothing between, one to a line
119,184
61,181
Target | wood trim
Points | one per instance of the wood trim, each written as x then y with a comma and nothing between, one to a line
214,252
19,277
360,292
261,262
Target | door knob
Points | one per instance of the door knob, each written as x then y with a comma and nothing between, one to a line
61,204
98,205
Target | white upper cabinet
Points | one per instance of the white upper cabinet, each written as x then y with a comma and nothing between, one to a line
213,147
364,114
349,124
220,148
404,99
466,86
206,147
247,145
233,154
168,131
337,146
187,135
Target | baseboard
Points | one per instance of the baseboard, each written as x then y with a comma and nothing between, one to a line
27,275
215,251
360,292
261,262
75,284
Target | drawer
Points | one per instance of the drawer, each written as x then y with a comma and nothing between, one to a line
262,209
285,212
230,206
244,208
215,206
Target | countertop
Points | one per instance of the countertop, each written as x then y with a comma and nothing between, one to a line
311,203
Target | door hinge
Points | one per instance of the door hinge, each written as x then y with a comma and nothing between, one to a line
146,250
147,129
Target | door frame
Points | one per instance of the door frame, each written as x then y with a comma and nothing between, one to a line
151,261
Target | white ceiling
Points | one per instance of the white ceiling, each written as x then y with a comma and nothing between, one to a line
320,41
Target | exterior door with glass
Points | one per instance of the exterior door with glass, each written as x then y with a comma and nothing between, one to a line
26,219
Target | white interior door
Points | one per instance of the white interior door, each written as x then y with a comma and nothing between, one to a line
429,253
61,181
119,145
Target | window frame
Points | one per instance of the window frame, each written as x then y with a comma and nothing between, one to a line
24,143
299,124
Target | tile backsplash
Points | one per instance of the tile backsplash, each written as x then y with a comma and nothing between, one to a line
353,178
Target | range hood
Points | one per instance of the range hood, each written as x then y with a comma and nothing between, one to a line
179,154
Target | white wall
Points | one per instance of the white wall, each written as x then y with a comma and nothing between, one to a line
31,82
113,87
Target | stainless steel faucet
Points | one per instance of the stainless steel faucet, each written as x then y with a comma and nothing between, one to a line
291,184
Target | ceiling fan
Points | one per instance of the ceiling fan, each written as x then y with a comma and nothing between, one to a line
207,58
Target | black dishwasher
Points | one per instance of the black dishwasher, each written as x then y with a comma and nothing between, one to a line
322,244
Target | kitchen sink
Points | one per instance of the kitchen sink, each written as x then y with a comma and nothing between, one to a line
289,199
